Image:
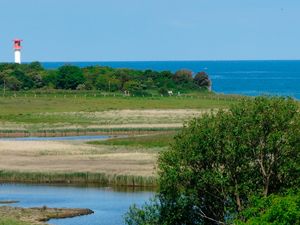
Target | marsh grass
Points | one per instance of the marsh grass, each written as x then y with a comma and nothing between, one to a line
147,141
77,178
84,131
11,221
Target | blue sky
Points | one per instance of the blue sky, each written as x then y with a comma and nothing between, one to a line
106,30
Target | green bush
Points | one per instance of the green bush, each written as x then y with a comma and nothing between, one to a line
274,209
219,160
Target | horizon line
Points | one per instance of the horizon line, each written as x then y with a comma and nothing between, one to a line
177,60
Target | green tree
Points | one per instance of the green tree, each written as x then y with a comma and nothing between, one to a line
107,82
26,81
221,159
183,76
202,80
133,87
12,83
123,76
50,78
69,77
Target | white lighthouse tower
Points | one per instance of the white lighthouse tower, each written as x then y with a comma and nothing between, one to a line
17,49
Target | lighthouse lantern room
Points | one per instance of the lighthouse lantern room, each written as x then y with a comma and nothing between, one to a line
17,49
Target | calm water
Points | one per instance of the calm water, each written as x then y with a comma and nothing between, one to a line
109,205
229,77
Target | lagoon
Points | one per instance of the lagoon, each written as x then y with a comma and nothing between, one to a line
109,204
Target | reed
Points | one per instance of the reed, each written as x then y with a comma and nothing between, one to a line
84,131
77,178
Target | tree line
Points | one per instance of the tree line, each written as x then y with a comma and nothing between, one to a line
30,76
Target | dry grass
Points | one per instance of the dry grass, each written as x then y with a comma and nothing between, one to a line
62,156
151,118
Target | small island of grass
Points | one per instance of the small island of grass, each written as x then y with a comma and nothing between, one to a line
37,216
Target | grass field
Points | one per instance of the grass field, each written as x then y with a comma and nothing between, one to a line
70,111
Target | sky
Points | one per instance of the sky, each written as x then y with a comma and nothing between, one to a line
150,30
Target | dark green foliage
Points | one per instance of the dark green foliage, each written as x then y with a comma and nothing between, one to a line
163,91
132,82
12,83
148,214
202,80
218,161
69,77
25,81
134,87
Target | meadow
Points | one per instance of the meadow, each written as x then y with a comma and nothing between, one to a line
95,111
148,123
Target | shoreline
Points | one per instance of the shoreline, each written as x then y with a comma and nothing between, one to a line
40,215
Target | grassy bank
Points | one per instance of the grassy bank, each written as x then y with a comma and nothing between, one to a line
77,178
146,141
35,216
12,221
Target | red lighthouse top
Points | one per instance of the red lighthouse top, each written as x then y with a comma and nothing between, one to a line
17,44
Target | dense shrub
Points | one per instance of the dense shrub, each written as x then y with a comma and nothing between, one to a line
220,160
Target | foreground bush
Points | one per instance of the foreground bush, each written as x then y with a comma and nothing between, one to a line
274,209
220,160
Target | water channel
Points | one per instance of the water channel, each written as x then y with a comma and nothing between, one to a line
108,204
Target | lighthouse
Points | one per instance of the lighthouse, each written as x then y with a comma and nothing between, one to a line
17,49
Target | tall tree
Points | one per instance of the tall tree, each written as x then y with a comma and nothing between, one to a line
69,77
202,80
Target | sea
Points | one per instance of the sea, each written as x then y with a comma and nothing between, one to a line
252,78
